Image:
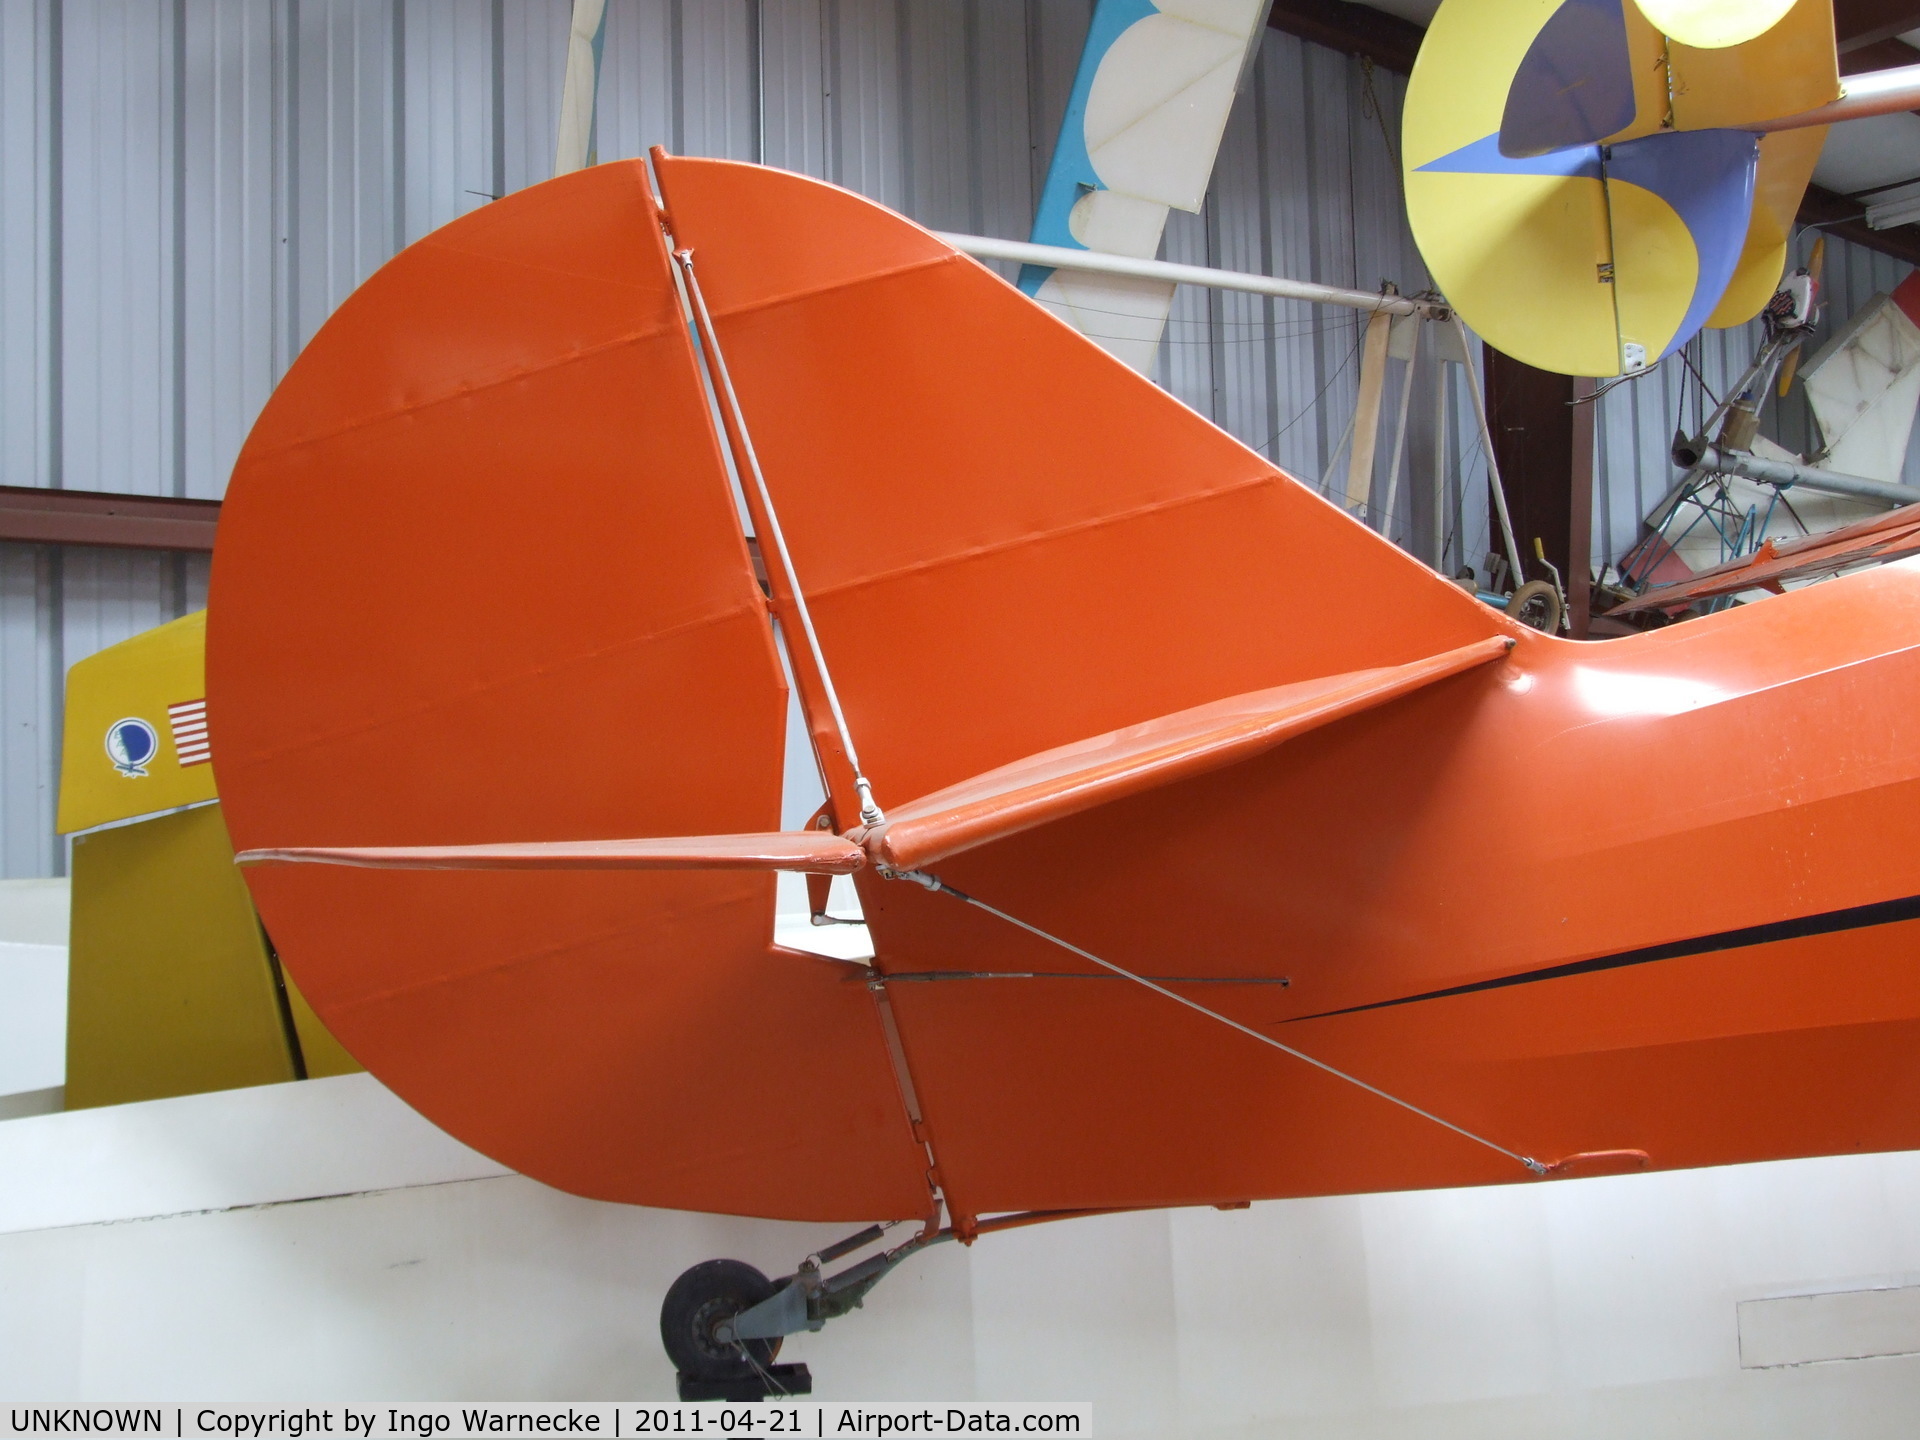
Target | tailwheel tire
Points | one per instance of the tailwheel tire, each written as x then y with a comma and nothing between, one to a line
1536,604
696,1303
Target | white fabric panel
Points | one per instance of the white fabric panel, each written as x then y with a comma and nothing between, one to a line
1863,386
1158,98
1123,315
574,147
1159,103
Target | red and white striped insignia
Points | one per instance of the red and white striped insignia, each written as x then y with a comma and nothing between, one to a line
188,723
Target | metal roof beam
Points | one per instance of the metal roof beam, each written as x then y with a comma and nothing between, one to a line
36,516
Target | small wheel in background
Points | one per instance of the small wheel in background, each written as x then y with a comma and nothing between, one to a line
1536,604
696,1303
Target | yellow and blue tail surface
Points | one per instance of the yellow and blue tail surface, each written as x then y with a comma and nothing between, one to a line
1584,187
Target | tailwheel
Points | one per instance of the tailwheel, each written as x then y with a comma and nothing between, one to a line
713,1292
1537,603
722,1321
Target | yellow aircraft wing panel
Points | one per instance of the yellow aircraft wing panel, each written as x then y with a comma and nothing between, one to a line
1524,258
1792,67
1455,104
1655,265
171,988
1591,255
1521,247
1787,158
136,739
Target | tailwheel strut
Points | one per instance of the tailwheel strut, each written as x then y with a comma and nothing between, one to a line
722,1321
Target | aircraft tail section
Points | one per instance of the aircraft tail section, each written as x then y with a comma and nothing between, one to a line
482,604
480,585
1073,778
978,811
1008,540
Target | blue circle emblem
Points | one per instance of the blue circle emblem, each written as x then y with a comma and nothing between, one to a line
131,743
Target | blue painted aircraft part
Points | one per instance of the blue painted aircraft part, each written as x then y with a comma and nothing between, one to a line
1575,83
599,48
1032,277
1070,174
1707,176
1484,157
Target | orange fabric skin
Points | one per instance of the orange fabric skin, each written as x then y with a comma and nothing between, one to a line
1040,789
1010,543
480,581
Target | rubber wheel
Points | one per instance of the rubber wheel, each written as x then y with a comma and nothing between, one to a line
1536,604
699,1300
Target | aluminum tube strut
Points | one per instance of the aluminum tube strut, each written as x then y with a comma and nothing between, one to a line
747,462
1400,436
1879,92
1495,485
1748,383
1783,474
1440,398
1059,257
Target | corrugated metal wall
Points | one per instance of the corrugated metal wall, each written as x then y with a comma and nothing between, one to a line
189,187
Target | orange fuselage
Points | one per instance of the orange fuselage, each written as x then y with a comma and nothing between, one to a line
482,580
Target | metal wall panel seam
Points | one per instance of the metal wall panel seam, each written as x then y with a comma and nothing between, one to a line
497,94
177,196
911,200
756,49
676,77
834,94
795,87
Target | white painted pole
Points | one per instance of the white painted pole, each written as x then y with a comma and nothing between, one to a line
1059,257
1366,413
1333,460
1440,428
1493,466
1400,435
1879,92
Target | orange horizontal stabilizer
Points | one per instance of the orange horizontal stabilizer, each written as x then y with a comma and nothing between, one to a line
1070,778
813,853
